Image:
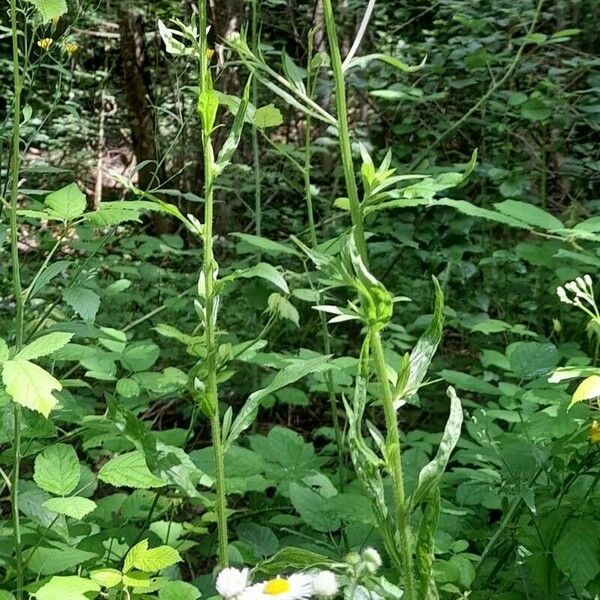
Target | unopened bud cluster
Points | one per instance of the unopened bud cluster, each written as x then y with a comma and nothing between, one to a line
579,293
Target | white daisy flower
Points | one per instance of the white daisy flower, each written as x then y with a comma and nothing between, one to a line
295,587
232,582
325,583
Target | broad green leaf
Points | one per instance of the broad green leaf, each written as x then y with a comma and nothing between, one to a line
68,203
107,578
288,375
83,301
577,552
536,109
265,245
470,383
60,267
150,560
44,345
588,389
50,9
566,373
431,473
140,356
73,506
258,537
529,360
267,116
363,61
529,213
129,470
424,350
57,469
178,590
30,385
57,557
3,351
312,508
264,271
71,587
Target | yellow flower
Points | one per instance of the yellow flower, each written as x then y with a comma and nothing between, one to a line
209,53
45,43
72,48
594,432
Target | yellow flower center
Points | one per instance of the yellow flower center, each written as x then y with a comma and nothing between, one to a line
277,586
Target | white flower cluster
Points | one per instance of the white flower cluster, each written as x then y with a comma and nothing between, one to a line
579,293
234,584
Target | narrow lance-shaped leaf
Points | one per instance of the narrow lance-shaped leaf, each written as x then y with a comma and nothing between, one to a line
288,375
423,353
431,472
424,553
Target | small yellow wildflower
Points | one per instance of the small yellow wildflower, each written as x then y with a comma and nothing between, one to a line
594,432
72,48
45,43
209,53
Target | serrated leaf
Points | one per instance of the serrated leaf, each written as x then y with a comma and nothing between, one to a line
150,560
577,552
50,9
83,301
68,203
57,469
44,345
30,385
57,558
72,587
73,506
129,470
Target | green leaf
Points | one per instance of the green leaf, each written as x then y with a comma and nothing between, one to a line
150,560
267,116
261,539
264,271
588,389
57,558
44,345
68,203
431,473
467,382
107,577
265,245
30,385
72,587
57,469
288,375
140,356
129,470
312,508
178,590
291,559
577,552
83,301
73,506
529,213
50,9
529,360
54,270
535,109
3,351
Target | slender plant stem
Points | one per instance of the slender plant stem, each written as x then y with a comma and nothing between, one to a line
209,272
333,401
394,460
344,134
255,147
15,166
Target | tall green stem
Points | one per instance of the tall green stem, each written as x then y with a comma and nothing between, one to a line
333,401
209,272
255,148
344,134
394,459
393,434
15,166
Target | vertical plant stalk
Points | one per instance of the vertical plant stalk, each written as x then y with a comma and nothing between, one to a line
255,147
333,401
15,166
394,458
209,272
344,134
